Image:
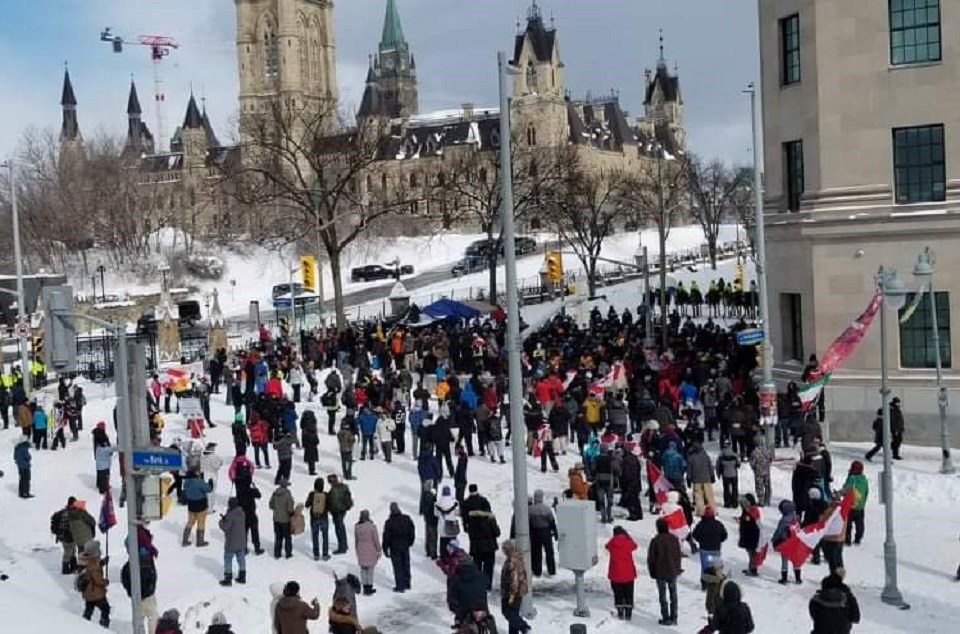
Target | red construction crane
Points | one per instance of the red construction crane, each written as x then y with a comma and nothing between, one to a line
160,46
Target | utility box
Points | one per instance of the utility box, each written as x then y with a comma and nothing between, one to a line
577,527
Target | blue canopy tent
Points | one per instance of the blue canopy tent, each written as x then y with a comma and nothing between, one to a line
450,309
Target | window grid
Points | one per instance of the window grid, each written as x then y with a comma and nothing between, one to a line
914,31
916,335
919,164
793,155
790,50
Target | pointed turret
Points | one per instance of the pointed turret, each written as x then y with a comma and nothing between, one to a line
139,138
133,101
193,118
392,38
67,98
70,129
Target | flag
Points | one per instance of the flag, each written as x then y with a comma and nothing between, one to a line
914,305
838,352
659,482
108,518
763,542
677,523
801,542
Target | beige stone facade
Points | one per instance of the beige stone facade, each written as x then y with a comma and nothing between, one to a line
861,202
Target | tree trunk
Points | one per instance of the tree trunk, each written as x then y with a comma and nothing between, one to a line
712,248
662,235
591,277
338,303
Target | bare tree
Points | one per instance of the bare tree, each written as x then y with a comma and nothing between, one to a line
311,174
588,204
743,204
471,187
658,191
713,188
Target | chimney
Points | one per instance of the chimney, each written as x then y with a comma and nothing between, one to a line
467,111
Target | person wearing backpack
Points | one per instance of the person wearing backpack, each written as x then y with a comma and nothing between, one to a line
330,403
259,438
80,525
346,440
319,519
91,583
447,509
339,501
282,505
148,587
60,527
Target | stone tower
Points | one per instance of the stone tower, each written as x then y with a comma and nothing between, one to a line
285,49
663,103
391,87
139,139
71,141
539,108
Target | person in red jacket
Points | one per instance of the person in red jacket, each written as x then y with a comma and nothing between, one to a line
260,439
622,571
274,387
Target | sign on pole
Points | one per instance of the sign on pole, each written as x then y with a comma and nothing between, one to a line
156,460
307,267
21,330
750,337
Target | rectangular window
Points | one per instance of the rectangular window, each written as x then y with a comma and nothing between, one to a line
793,161
916,334
790,50
791,323
919,164
914,31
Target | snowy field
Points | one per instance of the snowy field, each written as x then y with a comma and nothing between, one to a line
928,514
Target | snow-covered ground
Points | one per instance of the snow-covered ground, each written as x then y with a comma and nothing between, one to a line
927,506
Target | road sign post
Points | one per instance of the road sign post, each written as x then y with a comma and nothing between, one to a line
750,337
156,460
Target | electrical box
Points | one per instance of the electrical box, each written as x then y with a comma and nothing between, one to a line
151,498
577,527
60,333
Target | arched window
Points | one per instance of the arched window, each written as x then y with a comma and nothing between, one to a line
531,135
269,48
531,78
413,179
304,48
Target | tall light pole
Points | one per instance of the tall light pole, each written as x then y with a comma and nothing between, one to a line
520,511
18,256
923,272
768,389
894,294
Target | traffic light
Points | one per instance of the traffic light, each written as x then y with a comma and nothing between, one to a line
284,326
36,346
307,267
555,266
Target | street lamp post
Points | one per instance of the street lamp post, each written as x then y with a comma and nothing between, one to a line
101,269
18,256
923,272
894,294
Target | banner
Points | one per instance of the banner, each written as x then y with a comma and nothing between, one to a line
839,351
914,305
108,517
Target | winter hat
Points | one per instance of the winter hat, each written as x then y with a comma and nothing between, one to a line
171,615
856,467
92,548
71,501
284,482
662,526
709,512
101,425
292,589
219,619
472,488
364,515
394,508
814,494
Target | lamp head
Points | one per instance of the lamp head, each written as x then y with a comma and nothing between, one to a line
894,291
923,269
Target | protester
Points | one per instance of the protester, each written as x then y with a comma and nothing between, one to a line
622,571
234,527
663,564
368,547
399,535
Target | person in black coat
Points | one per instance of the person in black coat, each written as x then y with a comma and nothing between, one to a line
749,531
469,590
733,616
833,608
630,485
466,426
399,535
709,534
483,530
310,439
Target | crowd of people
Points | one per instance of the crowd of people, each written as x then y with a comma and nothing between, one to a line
594,398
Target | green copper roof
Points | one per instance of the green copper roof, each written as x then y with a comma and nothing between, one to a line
392,38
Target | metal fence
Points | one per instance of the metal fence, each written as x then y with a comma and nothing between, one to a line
95,351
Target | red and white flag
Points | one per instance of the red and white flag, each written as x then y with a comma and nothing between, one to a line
661,486
763,543
677,523
801,542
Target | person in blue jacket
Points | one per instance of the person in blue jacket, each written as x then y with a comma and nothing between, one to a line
39,418
103,455
416,418
468,397
21,456
289,418
261,377
674,466
195,492
367,420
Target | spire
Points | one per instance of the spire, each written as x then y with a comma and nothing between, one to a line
193,119
67,99
392,38
133,101
662,62
534,12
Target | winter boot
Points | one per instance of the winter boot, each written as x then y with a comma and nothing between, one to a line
783,577
796,577
628,613
502,460
227,580
65,568
619,612
186,537
200,542
242,577
368,590
105,621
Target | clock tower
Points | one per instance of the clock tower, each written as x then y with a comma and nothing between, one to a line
392,79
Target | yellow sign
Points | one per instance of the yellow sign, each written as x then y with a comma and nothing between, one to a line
165,500
555,266
307,267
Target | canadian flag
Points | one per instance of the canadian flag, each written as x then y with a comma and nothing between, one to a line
677,523
802,541
661,486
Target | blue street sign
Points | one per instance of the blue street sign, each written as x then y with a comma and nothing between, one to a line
150,459
750,336
281,303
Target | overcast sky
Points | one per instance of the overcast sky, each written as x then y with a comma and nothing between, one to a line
605,44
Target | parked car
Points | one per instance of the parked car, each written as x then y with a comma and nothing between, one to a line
478,248
406,269
524,245
467,265
372,272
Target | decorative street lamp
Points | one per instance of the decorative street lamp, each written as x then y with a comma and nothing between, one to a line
101,269
894,297
923,272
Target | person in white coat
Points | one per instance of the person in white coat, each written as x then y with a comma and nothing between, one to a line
447,510
385,428
295,377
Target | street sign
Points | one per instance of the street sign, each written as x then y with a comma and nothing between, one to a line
21,330
157,460
749,337
281,303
